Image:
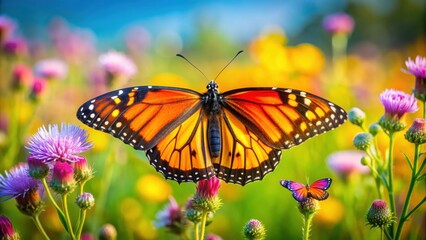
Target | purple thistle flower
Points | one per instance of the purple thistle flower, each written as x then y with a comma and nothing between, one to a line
339,23
171,217
51,69
398,103
26,190
49,145
117,64
417,67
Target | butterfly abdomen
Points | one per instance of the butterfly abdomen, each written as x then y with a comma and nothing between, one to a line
214,138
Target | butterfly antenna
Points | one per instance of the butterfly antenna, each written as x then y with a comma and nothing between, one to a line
181,56
236,55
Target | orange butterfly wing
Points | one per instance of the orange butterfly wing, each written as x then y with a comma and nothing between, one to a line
140,116
183,155
282,118
244,156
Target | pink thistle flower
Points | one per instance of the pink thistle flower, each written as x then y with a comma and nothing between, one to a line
38,87
206,198
397,104
117,64
7,26
6,229
21,76
51,69
27,191
346,163
52,144
208,188
339,23
62,180
82,170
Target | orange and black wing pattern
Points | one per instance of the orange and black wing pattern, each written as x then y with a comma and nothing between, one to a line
140,116
244,156
283,118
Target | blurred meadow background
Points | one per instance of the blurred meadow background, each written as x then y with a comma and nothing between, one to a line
285,45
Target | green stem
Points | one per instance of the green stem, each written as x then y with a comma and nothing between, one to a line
376,175
307,228
424,110
40,227
390,182
409,193
49,195
67,215
203,224
196,234
82,219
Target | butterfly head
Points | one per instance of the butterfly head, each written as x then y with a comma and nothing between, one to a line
212,86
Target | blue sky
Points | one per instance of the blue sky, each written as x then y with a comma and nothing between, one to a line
239,20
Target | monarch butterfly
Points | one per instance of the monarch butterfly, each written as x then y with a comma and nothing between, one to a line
237,135
301,192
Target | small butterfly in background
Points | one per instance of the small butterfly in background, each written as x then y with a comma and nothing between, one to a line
188,136
301,192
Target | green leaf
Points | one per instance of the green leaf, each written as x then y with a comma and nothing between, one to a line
63,221
421,178
408,161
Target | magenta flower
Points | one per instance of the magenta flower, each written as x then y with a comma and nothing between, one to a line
21,76
339,23
38,87
212,236
208,188
27,191
62,180
117,64
52,144
346,163
416,67
7,26
16,46
171,217
6,229
398,103
51,69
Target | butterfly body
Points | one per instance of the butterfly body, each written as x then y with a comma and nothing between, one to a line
237,135
301,192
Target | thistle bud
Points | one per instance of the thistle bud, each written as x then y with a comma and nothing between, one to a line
417,132
85,201
379,214
362,141
309,206
254,230
356,116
